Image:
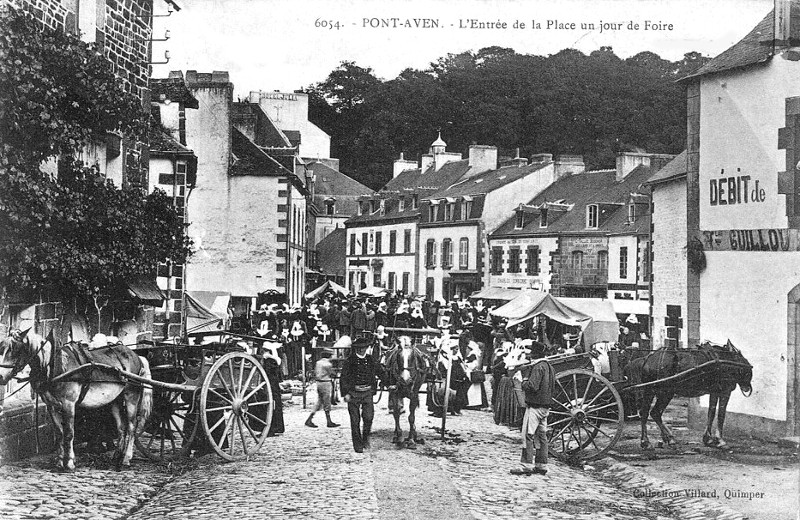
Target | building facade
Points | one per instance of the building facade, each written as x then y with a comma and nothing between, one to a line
743,215
173,169
668,260
585,236
383,239
456,221
248,212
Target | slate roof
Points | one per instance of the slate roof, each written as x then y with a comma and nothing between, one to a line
293,136
488,181
580,190
415,182
755,47
174,89
429,181
333,183
161,143
266,132
675,169
252,160
331,252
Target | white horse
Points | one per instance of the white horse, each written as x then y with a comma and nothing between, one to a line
90,387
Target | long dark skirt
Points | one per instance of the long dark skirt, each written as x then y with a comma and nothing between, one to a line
507,411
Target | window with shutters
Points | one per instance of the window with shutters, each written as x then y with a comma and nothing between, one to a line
533,260
447,253
463,253
391,281
352,244
514,260
406,277
392,242
430,254
378,242
364,243
407,241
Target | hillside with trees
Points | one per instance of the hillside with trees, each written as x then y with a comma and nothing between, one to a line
568,102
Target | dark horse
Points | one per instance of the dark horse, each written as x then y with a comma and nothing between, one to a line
407,368
87,388
708,369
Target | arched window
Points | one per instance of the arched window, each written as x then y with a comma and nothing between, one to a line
602,261
577,260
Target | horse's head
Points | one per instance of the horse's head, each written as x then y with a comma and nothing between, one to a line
742,373
15,353
408,364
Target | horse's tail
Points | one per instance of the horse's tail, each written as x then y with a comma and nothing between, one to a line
146,402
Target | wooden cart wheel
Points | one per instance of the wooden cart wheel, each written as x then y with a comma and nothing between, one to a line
171,428
586,417
236,405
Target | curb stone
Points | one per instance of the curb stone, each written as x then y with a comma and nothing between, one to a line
634,481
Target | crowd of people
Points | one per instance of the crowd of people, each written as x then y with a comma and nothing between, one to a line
477,347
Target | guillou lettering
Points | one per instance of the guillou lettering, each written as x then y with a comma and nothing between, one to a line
737,189
759,239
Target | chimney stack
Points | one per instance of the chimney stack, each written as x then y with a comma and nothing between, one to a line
518,161
568,165
482,158
628,161
402,165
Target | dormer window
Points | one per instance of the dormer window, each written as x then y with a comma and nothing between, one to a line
330,207
450,211
414,202
592,213
373,206
631,213
434,212
466,209
543,218
520,220
401,205
382,206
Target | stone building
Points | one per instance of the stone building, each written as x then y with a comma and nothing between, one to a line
585,236
122,32
743,216
456,221
248,211
173,169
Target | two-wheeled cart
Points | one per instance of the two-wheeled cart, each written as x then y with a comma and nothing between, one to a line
211,397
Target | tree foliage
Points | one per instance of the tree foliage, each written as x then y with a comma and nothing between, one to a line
595,105
75,232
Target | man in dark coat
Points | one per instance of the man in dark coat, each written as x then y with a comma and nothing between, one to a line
536,383
358,384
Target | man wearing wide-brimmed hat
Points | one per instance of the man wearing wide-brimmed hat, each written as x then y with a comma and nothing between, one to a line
358,384
536,382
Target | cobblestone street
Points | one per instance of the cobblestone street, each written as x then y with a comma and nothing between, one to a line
315,474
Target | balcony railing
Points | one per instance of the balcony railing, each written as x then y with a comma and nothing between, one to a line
585,276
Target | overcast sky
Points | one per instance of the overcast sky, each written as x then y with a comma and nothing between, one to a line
274,44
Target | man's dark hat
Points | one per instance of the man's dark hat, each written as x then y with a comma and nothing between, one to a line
361,342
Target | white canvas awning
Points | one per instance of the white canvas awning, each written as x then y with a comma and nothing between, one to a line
595,317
